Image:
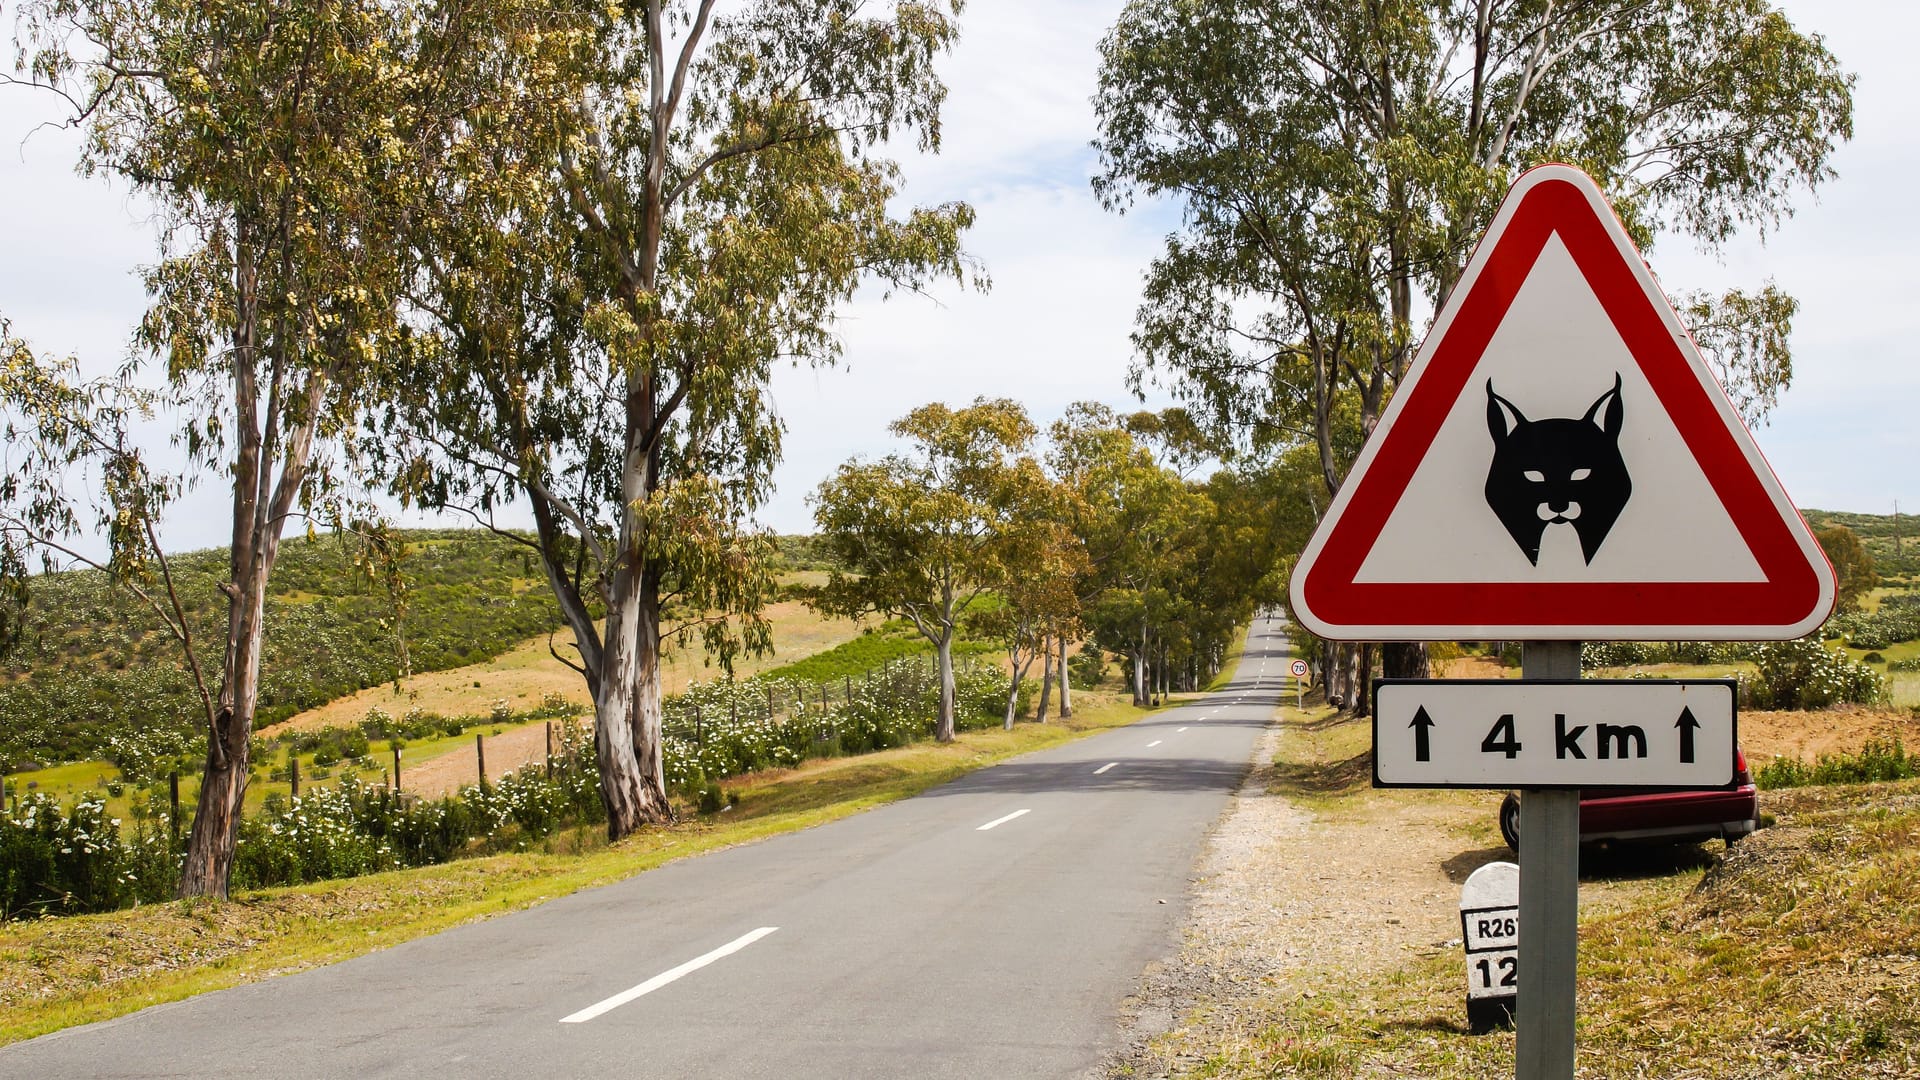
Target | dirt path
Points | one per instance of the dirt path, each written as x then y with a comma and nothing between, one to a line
512,749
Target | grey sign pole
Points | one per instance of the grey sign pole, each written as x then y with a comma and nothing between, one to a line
1549,901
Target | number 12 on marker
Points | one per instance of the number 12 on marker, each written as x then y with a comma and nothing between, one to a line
1493,974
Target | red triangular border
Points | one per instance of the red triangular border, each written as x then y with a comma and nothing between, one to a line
1797,590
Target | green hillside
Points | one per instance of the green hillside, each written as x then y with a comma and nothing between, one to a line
94,662
1893,542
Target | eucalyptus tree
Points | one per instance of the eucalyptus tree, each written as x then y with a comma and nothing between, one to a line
1334,161
1139,521
657,204
263,133
924,533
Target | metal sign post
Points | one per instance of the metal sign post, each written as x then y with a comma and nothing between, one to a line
1549,901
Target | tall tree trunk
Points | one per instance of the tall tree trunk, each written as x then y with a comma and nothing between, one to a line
1363,681
1020,670
649,743
622,786
943,726
1404,660
208,870
1066,682
1047,679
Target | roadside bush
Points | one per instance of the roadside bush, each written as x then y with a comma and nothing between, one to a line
313,838
1086,668
1879,760
75,862
1897,620
1911,663
1805,674
1607,654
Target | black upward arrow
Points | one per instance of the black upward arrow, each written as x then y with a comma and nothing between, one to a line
1687,725
1422,722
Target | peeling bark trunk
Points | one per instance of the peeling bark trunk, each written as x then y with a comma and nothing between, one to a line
1046,680
622,786
647,717
943,727
1066,683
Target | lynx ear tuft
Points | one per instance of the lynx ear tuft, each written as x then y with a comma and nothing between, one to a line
1615,416
1497,410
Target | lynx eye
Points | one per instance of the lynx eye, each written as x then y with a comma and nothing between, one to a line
1536,476
1580,474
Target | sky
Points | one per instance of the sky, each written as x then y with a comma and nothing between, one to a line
1066,274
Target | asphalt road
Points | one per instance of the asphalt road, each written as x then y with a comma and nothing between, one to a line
989,928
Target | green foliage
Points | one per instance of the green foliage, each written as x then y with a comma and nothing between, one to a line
1897,619
69,863
1610,654
1852,566
892,640
1086,668
1805,674
805,552
96,674
721,728
1878,760
1334,163
1890,540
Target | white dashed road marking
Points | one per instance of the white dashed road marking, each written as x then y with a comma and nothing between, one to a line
666,977
1105,767
1002,820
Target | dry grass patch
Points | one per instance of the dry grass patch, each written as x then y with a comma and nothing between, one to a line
528,672
1794,956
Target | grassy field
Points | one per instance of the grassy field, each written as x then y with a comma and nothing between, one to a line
1791,955
58,972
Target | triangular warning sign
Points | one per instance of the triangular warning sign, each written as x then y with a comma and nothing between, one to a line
1559,463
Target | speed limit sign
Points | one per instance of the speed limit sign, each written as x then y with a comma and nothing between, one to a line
1298,668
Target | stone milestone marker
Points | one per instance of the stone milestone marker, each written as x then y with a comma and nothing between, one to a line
1490,928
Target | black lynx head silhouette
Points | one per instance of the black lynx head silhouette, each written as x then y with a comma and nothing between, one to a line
1557,471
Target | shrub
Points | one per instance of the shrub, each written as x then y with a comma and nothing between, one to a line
1805,674
55,863
1086,668
1878,760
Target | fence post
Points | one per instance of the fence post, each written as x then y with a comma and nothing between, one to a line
549,749
849,679
769,703
396,770
699,727
293,777
480,755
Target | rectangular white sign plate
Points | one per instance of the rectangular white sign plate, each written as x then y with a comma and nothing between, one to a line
1505,733
1490,929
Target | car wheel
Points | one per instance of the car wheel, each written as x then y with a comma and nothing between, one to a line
1510,821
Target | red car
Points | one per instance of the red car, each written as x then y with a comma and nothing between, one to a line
1659,815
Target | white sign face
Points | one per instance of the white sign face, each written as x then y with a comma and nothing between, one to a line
1298,668
1490,927
1497,733
1560,463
